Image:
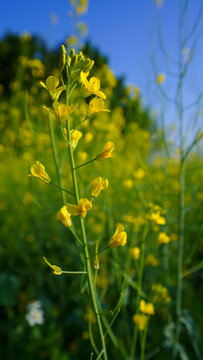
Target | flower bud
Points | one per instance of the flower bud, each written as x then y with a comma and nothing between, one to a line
80,56
74,60
63,50
69,60
72,53
62,61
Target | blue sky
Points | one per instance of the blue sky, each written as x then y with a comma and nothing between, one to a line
124,31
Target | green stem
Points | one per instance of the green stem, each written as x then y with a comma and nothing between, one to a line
88,162
77,238
143,343
140,276
51,183
179,109
55,156
83,232
180,261
74,272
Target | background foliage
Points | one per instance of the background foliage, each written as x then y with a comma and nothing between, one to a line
141,172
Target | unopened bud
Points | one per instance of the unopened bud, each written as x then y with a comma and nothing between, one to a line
69,60
71,53
74,60
80,56
63,50
88,64
62,61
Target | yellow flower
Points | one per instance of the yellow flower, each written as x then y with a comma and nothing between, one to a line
98,185
80,209
90,87
163,238
96,105
146,308
139,174
62,111
140,321
135,253
161,78
64,216
128,184
107,151
82,155
38,170
161,293
75,137
88,137
157,218
152,260
51,85
119,238
57,270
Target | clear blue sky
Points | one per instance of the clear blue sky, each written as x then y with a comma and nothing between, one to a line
125,31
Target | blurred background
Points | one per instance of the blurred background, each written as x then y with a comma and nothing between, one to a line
148,56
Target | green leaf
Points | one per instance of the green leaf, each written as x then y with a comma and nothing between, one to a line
182,353
193,333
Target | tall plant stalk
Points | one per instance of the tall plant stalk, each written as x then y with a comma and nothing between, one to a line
83,231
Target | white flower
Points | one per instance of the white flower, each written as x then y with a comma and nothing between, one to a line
35,314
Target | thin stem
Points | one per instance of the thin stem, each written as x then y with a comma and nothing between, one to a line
55,156
179,107
83,232
143,342
74,272
100,251
140,276
88,162
77,238
51,183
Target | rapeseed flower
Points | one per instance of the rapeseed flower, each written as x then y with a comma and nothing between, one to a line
119,238
151,260
157,218
98,185
139,174
140,321
161,78
64,216
163,238
96,105
75,137
135,252
161,293
81,209
107,151
51,85
38,170
62,111
90,87
146,308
